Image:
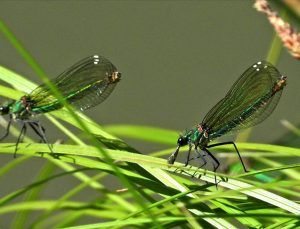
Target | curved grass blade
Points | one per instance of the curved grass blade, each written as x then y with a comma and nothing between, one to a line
145,133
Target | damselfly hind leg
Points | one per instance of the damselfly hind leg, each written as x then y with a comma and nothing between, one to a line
188,155
216,165
41,132
21,137
236,149
200,155
179,170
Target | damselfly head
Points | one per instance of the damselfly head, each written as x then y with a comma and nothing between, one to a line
4,110
182,141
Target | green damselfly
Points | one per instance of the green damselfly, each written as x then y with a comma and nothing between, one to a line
83,85
251,99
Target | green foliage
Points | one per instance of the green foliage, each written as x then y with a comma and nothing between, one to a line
153,195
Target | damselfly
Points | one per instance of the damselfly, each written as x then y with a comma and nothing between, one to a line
83,85
251,99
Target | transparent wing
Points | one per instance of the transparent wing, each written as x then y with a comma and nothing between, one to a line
248,102
85,84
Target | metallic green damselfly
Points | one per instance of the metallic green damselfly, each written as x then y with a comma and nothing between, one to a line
83,85
251,99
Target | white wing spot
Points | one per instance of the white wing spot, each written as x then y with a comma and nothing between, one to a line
96,60
259,62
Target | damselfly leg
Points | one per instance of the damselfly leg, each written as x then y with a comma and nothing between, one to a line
41,132
7,128
20,137
236,149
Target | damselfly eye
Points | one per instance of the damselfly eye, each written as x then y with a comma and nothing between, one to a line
4,110
182,141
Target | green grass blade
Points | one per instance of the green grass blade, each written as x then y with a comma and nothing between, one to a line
34,65
22,216
145,133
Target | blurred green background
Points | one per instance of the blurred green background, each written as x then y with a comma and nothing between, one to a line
177,58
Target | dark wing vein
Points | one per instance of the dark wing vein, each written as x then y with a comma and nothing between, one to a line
248,102
84,85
